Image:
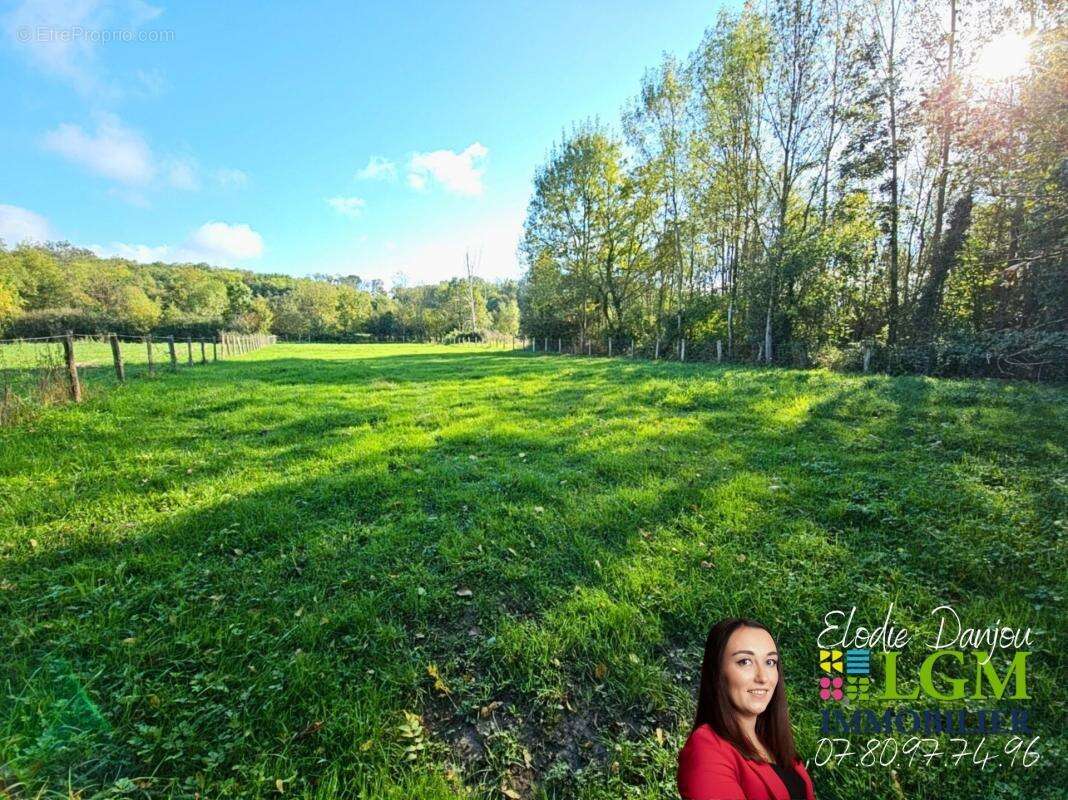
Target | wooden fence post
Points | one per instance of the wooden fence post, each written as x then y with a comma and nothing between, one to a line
174,354
214,348
189,348
559,345
148,347
72,367
116,354
656,352
203,353
589,347
682,350
719,351
609,346
867,358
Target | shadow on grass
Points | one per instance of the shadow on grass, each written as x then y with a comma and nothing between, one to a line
278,543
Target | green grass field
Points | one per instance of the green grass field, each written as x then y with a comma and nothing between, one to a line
35,371
441,572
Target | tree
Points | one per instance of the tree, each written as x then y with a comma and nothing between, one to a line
310,309
506,317
353,308
729,70
10,302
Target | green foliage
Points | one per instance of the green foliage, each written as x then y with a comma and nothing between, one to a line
10,302
506,317
807,183
55,288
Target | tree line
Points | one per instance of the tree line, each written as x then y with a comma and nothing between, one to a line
52,288
821,178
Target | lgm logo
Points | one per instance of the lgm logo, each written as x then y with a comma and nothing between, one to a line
955,669
855,681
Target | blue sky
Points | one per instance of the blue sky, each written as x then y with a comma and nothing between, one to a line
365,139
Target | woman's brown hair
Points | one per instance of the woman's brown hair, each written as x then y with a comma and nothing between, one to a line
714,706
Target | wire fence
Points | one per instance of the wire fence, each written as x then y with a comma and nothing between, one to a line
652,349
1024,355
46,370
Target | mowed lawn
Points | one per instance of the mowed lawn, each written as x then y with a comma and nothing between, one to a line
439,572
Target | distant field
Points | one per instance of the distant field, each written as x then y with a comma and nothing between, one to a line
439,572
95,353
24,364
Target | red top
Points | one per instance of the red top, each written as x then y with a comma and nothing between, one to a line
711,768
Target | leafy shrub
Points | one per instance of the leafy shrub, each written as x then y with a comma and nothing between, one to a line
1031,355
55,321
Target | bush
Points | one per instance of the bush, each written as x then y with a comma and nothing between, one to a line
330,338
484,336
57,321
188,325
1031,355
455,337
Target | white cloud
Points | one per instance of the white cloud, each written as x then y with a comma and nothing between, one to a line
56,36
183,173
73,60
21,225
460,173
114,151
134,252
221,240
231,178
378,168
440,256
121,154
348,206
212,243
149,82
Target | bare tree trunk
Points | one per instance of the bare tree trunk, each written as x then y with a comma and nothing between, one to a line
892,309
947,123
471,287
767,336
930,300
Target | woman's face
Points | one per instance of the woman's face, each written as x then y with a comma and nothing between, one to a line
750,669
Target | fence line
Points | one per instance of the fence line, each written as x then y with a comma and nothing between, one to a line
615,347
1012,355
41,370
657,349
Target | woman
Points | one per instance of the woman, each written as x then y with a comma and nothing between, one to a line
741,747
